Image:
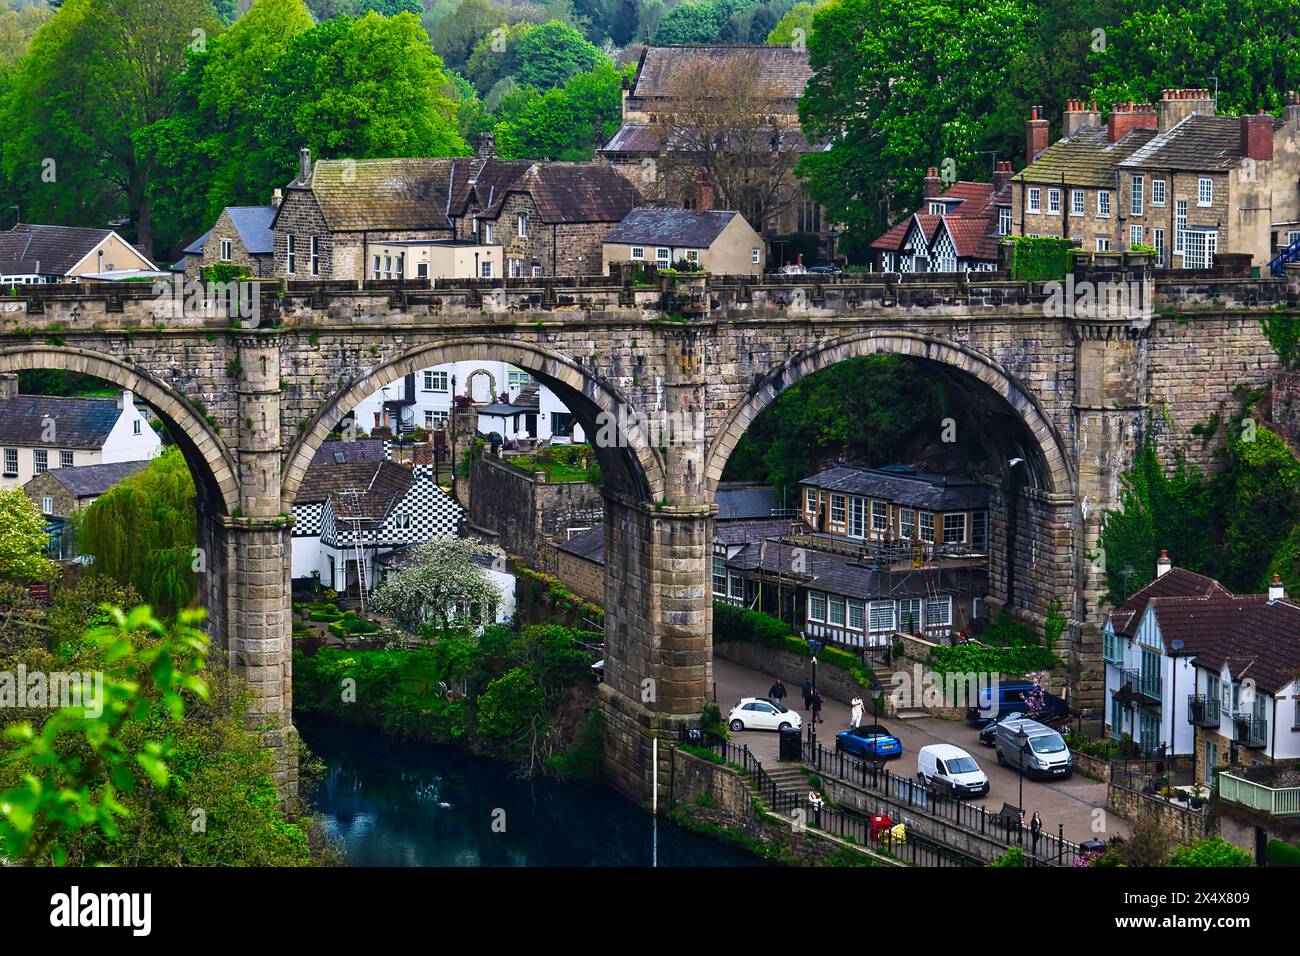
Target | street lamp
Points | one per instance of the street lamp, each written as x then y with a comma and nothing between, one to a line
1022,740
812,714
876,690
834,232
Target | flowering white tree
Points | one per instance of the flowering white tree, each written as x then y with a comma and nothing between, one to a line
441,585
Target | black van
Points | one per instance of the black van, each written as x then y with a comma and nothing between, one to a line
1009,696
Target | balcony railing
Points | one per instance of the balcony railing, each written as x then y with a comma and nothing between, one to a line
1145,685
1203,710
1249,730
1280,803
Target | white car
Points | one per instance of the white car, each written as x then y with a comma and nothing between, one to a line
759,713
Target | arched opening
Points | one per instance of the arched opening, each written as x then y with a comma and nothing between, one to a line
988,477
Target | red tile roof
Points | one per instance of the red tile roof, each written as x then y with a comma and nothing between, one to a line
1257,638
1176,582
972,222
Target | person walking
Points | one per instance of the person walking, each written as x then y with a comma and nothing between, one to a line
816,707
777,692
807,695
1035,831
855,713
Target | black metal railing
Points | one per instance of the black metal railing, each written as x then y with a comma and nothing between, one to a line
1147,685
1249,730
1203,710
1050,849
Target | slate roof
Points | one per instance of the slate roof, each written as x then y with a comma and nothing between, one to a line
1084,159
253,223
633,138
1256,638
1176,582
747,531
578,192
672,227
743,500
85,481
362,449
325,479
1199,142
406,193
911,489
78,422
588,545
824,571
195,248
58,248
783,68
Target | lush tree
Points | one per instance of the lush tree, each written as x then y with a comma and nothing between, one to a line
1260,489
797,18
455,35
441,585
23,539
17,27
690,22
141,532
551,53
1213,851
564,124
495,55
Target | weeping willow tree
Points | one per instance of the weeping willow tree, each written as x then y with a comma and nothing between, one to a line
141,533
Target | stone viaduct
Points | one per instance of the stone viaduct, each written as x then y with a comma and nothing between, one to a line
673,368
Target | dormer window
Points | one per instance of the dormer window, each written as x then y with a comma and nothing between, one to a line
937,208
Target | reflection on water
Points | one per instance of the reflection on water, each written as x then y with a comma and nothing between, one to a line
397,803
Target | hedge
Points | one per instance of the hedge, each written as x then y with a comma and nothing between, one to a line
1281,853
1040,258
731,623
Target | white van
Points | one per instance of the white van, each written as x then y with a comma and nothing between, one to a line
1044,753
951,770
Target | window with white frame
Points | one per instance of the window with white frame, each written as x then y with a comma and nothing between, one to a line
909,615
440,419
435,381
692,255
489,232
1004,220
226,248
1158,241
47,506
906,523
954,527
315,256
938,611
1134,236
811,500
1136,196
1157,192
388,266
879,516
719,576
1205,191
663,256
522,223
1035,199
486,269
1103,244
737,585
835,610
65,459
1180,224
1199,248
816,606
428,418
1103,203
42,461
857,517
291,253
882,615
638,252
135,427
857,614
927,525
755,256
376,270
1076,202
937,208
11,462
837,509
1053,200
422,270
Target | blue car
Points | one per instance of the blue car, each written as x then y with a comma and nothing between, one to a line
869,740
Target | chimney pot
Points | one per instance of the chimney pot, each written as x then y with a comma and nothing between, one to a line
304,164
1163,564
1275,590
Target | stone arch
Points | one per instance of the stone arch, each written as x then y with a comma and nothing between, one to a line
209,459
629,466
492,384
1050,466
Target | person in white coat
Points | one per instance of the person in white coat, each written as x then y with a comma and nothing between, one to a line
855,713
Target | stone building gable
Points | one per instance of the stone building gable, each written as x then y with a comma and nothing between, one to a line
300,214
239,254
46,486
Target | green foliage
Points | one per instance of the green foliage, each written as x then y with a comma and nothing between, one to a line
1040,258
141,532
550,53
563,124
585,757
23,539
1212,851
1260,493
509,708
731,623
1053,624
1281,853
1011,660
1013,857
225,272
798,17
1283,332
868,408
1006,631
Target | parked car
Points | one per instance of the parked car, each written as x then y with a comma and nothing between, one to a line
826,270
950,770
988,730
1044,754
869,740
759,713
1009,696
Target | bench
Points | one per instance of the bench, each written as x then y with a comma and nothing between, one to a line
1009,814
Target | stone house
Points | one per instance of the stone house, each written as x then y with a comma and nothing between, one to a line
954,230
545,218
62,491
241,236
39,433
1175,176
718,241
653,97
31,253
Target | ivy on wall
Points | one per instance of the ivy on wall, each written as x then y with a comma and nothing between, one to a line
1040,258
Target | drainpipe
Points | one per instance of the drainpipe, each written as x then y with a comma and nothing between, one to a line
554,240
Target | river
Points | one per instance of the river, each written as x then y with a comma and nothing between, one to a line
399,803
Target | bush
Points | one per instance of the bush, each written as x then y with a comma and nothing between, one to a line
1040,258
1281,853
978,658
731,623
1212,851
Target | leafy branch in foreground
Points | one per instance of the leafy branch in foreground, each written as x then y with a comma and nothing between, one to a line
79,760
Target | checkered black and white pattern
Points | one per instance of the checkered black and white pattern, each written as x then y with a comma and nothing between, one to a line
424,512
308,519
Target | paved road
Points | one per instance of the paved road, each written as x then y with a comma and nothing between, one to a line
1078,803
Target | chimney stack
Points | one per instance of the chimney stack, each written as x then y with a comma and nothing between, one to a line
1126,117
703,190
8,386
1257,136
1291,112
1035,134
1079,114
1177,105
304,164
1162,563
931,185
277,197
1275,590
485,146
1002,174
